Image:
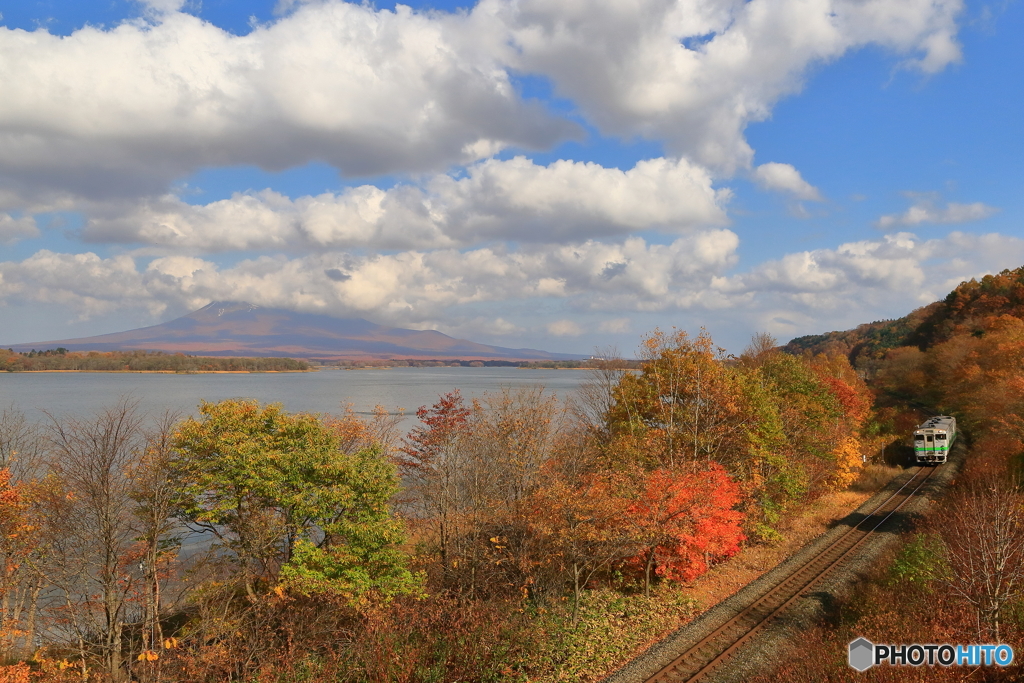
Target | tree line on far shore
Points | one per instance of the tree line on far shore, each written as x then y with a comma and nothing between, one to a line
139,361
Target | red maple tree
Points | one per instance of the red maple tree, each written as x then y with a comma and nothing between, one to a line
687,521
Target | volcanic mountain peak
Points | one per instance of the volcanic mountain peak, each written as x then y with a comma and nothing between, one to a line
238,328
222,307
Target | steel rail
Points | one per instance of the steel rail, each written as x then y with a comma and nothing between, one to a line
787,590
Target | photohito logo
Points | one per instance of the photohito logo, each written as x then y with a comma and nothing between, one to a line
864,654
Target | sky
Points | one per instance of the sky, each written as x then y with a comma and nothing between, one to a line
559,175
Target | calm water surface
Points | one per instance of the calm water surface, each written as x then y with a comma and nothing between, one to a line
326,391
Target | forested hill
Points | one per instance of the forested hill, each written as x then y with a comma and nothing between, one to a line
966,310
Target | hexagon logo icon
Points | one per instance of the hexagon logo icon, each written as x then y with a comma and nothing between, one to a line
862,654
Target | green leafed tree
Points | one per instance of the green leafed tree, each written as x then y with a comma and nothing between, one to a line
289,505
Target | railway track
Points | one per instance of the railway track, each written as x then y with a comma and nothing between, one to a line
700,660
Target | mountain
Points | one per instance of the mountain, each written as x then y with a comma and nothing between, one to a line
965,310
232,328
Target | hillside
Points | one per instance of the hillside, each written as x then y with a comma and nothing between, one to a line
965,310
231,328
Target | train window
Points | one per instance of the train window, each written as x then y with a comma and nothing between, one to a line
918,437
940,436
929,438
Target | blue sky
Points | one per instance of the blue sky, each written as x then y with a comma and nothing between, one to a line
555,175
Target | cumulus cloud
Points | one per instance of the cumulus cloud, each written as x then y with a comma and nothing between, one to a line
611,286
408,287
785,178
128,109
900,269
162,6
104,120
85,284
564,328
494,200
925,211
614,325
694,73
13,229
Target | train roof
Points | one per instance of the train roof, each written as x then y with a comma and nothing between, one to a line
936,421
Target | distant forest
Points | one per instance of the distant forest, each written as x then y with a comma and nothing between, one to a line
158,361
526,364
139,361
967,310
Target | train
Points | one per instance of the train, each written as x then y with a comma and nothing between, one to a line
933,439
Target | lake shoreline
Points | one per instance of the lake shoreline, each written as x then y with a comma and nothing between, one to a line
163,372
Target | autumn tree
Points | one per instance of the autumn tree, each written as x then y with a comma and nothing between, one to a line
684,405
580,529
684,522
22,533
812,421
96,553
855,401
277,492
16,544
595,397
355,434
983,534
513,433
433,462
469,471
22,446
807,417
154,492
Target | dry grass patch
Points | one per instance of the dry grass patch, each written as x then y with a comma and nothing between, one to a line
874,477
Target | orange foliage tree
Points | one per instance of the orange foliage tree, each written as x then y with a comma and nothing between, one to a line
855,400
581,528
684,405
685,522
16,544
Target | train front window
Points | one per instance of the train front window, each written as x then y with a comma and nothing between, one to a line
940,437
930,440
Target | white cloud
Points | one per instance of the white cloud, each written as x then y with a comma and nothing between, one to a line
124,111
13,229
785,178
128,109
504,200
408,288
895,274
614,325
834,289
694,73
564,328
162,6
926,212
562,290
85,284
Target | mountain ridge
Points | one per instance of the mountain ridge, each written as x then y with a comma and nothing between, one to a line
965,310
238,328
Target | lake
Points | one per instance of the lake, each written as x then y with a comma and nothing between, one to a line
326,391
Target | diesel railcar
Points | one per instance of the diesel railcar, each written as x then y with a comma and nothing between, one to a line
933,440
